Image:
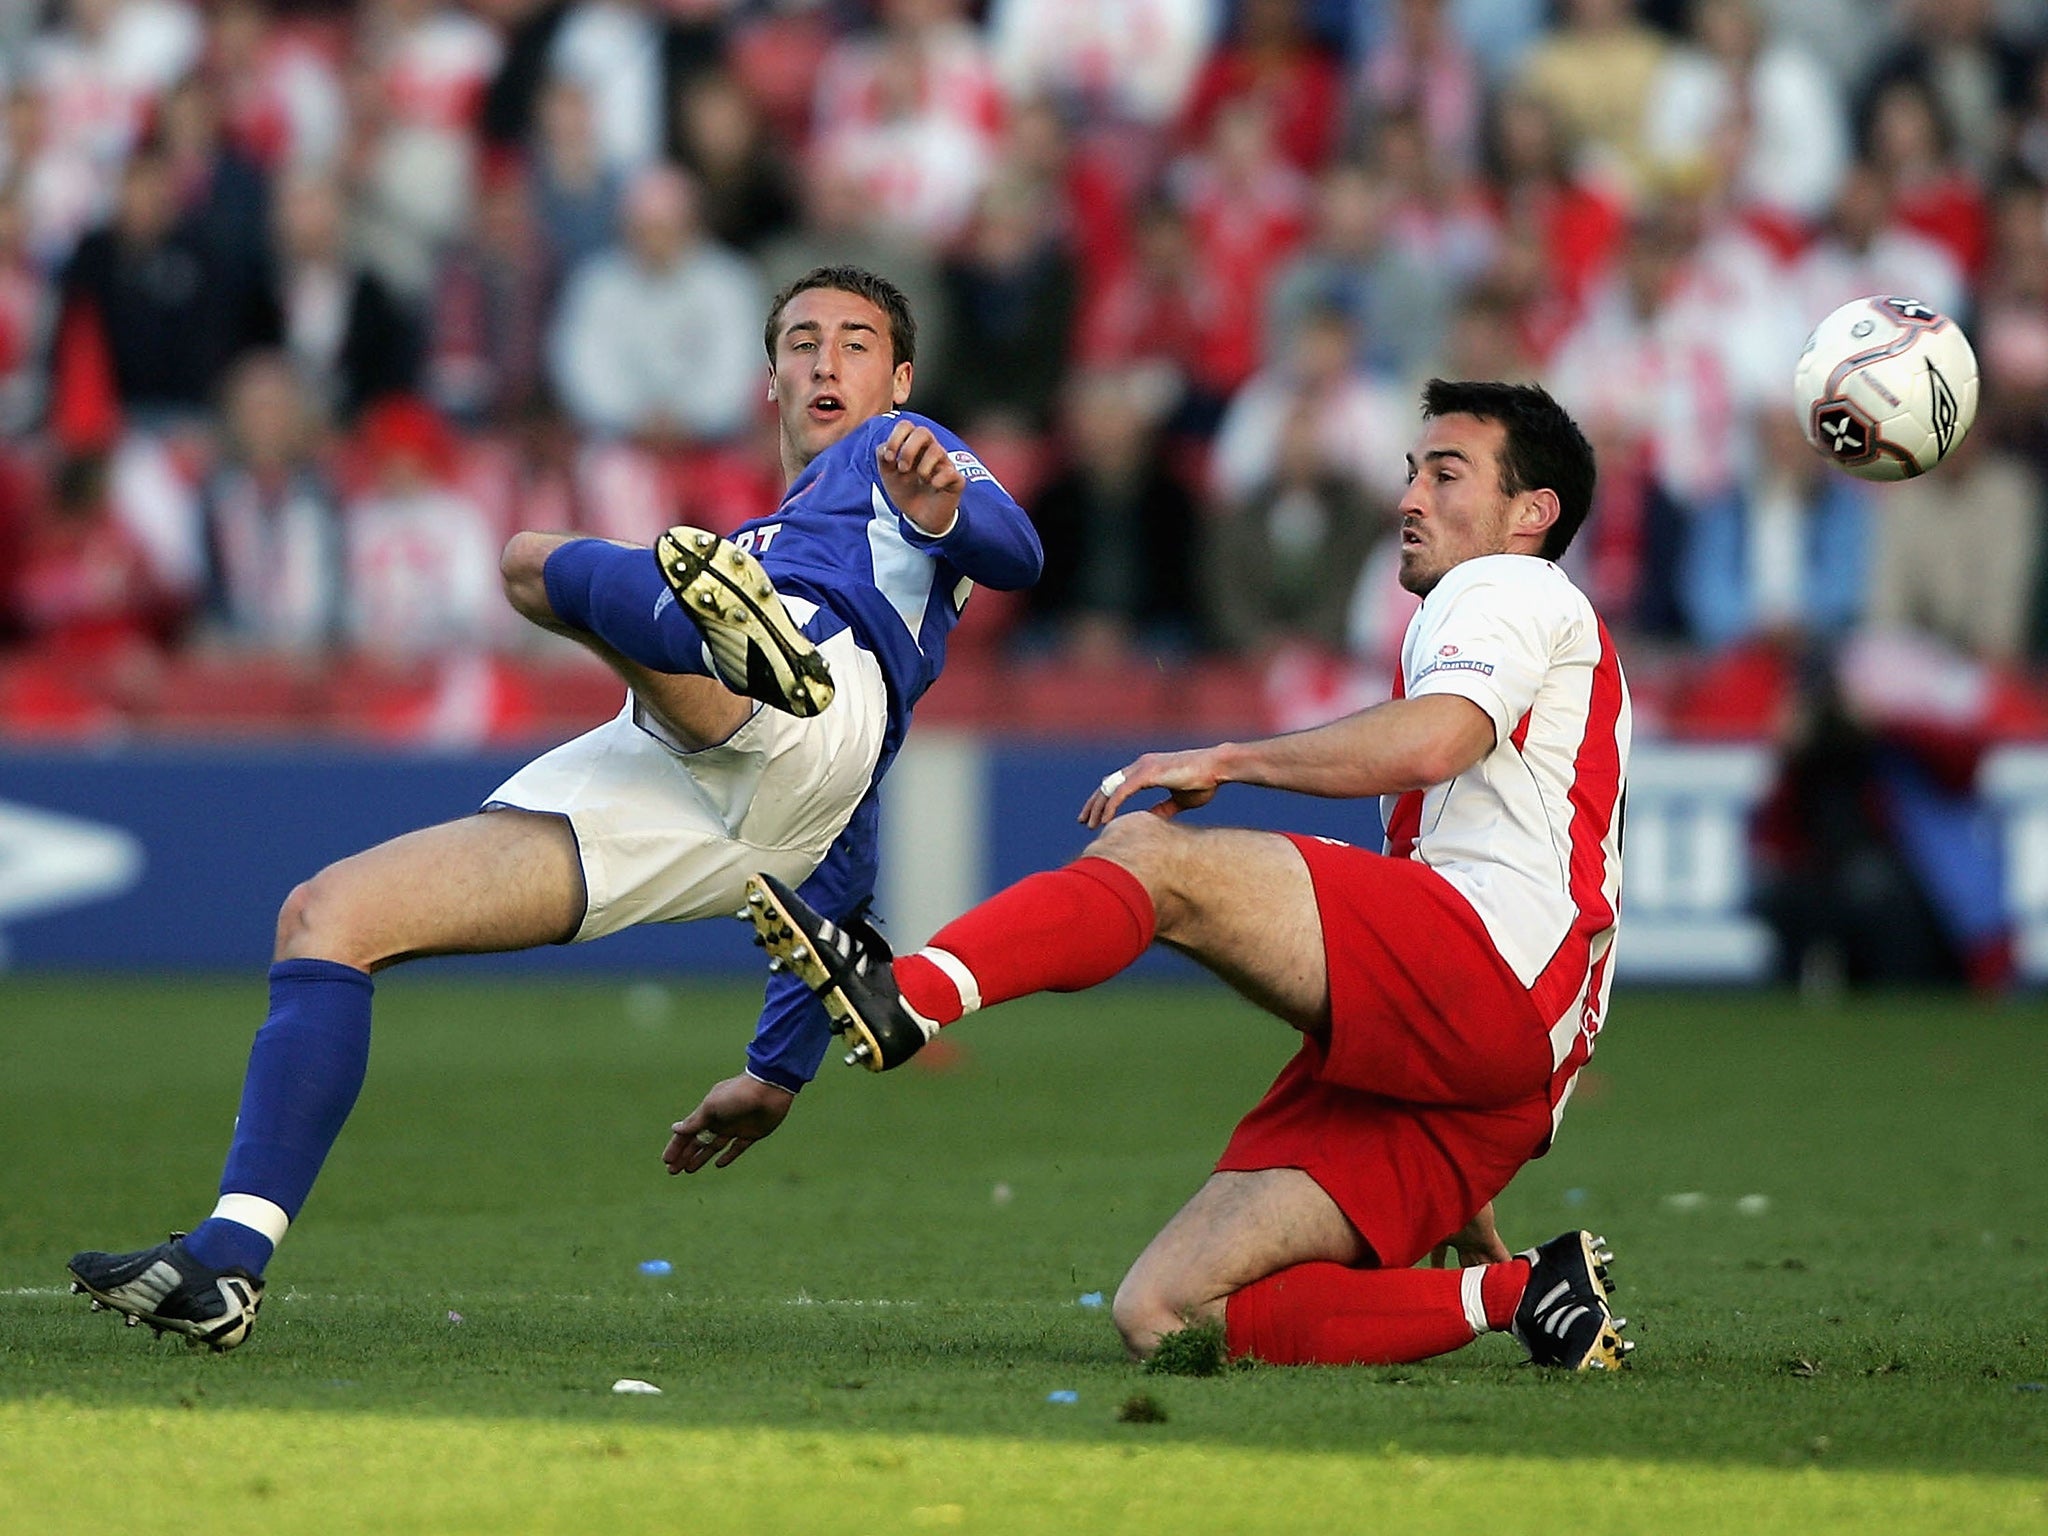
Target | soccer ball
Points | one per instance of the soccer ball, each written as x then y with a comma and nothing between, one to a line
1886,387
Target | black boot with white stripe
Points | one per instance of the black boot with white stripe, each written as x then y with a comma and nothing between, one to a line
847,967
1563,1319
171,1291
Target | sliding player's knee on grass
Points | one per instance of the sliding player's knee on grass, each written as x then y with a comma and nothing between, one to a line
1152,1303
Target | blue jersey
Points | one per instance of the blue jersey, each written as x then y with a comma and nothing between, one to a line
837,541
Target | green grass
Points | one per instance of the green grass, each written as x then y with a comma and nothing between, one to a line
858,1335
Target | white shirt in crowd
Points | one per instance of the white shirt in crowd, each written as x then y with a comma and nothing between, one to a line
1796,141
613,51
422,574
1136,59
1363,426
632,347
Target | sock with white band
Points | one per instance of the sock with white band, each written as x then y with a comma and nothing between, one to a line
951,967
305,1069
1471,1282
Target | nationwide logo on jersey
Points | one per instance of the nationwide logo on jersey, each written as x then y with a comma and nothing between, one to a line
1445,663
973,468
1447,650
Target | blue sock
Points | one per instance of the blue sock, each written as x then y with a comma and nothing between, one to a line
618,595
305,1070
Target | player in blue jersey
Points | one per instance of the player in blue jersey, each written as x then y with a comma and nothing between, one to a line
770,678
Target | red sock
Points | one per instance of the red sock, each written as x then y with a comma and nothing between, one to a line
1500,1288
1329,1314
1058,931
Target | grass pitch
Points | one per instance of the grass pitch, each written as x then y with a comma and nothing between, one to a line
1832,1231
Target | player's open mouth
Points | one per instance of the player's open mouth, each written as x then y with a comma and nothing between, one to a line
828,407
1411,538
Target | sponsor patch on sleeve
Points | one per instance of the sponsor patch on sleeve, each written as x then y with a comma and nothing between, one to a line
972,467
1443,663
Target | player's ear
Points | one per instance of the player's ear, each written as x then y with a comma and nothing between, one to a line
1535,511
899,387
771,383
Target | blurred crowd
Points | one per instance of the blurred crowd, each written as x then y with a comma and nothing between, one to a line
304,307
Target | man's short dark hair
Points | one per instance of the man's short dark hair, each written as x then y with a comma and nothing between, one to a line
872,286
1544,450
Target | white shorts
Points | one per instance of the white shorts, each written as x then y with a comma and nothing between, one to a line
668,835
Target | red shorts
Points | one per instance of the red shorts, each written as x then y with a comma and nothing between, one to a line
1431,1086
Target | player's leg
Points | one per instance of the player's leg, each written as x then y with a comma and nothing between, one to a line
504,880
498,880
1240,902
1237,1229
1268,1254
696,606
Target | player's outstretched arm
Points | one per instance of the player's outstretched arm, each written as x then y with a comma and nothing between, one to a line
733,1116
955,507
1389,749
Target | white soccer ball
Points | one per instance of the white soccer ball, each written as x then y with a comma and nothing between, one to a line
1886,387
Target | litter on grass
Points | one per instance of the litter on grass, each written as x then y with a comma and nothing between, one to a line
655,1267
633,1386
1091,1299
1688,1200
1753,1205
1063,1396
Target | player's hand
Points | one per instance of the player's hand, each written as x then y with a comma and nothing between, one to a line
919,477
1189,778
1477,1242
734,1115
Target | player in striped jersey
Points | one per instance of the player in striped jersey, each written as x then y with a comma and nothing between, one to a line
1448,990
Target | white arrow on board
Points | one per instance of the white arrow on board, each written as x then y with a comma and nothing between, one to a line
49,862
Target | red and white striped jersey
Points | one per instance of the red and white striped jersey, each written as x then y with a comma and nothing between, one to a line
1531,834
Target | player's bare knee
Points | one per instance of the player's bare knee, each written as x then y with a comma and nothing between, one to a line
1144,1312
312,924
1142,844
1156,851
1139,1319
293,922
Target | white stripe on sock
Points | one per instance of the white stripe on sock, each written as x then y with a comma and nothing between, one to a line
958,974
255,1213
1470,1294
